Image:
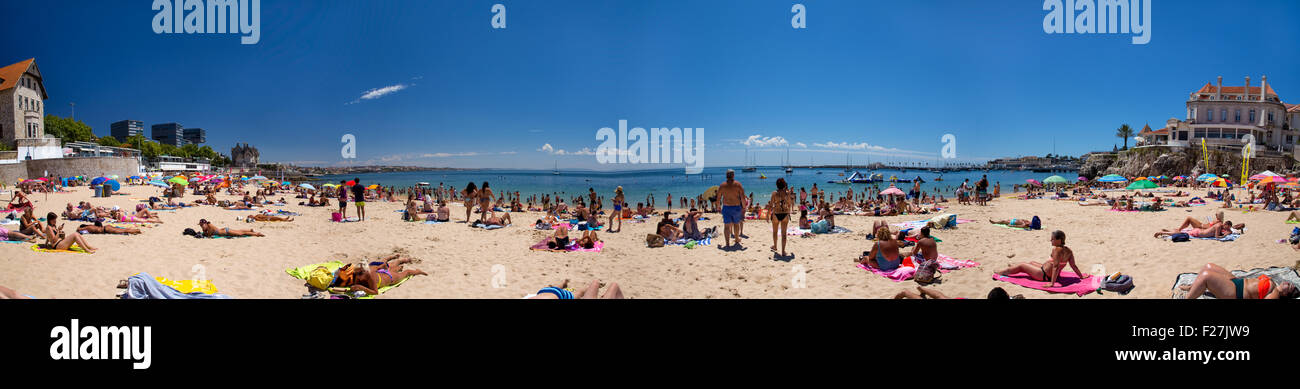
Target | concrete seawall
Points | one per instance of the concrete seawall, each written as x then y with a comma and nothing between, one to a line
69,167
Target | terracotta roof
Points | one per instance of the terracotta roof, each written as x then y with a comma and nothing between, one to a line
1148,130
1292,107
1254,90
9,75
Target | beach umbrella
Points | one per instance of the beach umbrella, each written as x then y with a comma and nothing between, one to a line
286,183
1219,182
134,177
373,186
328,185
1290,185
1211,179
711,192
158,183
1112,178
1206,176
1054,180
892,191
1034,182
307,186
178,180
1263,174
97,181
1082,178
350,183
113,184
1142,184
257,177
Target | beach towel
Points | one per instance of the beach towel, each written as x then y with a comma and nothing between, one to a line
188,286
904,273
1278,273
348,220
302,272
682,242
1013,228
572,247
433,222
73,249
796,231
921,223
1070,283
1226,238
839,230
487,227
143,286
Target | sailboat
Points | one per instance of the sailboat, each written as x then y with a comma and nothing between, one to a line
849,158
749,167
788,169
556,172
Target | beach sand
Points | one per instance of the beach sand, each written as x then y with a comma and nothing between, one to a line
460,260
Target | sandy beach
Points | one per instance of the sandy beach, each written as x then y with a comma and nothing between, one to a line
460,259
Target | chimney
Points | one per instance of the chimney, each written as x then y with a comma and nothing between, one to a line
1247,89
1218,93
1263,88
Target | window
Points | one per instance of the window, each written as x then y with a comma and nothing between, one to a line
1209,115
1200,133
1270,116
1223,115
1182,135
1238,116
1252,116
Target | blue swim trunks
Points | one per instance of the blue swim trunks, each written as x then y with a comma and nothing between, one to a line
732,214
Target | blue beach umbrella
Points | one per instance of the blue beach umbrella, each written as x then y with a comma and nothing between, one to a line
158,183
307,186
1206,176
97,181
114,184
1112,178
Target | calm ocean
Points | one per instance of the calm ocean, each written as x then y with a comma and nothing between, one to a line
639,184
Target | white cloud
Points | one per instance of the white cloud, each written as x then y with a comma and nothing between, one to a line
381,92
800,145
760,141
547,148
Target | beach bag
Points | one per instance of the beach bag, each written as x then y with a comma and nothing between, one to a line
1036,223
320,278
654,240
336,217
1180,237
1122,284
926,270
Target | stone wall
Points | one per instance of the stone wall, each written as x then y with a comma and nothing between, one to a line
69,167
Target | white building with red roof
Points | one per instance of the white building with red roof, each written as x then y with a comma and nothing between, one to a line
1225,116
22,112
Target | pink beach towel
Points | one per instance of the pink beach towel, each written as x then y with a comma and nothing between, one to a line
1071,282
904,273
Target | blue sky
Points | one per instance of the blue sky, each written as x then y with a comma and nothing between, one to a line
895,75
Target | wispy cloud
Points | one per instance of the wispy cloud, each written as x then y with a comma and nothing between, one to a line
800,145
547,148
381,92
761,141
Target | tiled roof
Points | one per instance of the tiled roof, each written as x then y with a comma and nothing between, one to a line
9,75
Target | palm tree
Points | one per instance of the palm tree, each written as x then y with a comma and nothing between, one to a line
1124,132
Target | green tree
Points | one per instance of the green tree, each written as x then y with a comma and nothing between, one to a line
69,130
108,141
1124,132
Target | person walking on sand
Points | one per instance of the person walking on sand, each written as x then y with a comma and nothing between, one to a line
359,198
618,211
731,194
343,199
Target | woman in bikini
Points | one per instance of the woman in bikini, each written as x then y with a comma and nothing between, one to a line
100,228
1212,230
1050,271
618,210
210,230
57,240
484,200
884,254
778,208
562,292
1224,285
369,279
470,195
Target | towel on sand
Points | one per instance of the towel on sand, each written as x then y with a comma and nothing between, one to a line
573,246
904,273
682,242
1280,273
1070,283
302,272
73,249
188,286
143,286
921,223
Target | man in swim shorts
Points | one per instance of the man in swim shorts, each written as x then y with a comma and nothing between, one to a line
732,195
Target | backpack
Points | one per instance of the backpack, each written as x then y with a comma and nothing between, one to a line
927,271
1121,284
1036,223
1180,237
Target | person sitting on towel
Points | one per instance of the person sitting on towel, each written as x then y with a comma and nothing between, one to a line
1224,285
884,253
1050,271
559,240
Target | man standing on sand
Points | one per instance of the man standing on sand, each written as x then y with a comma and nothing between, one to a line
359,198
731,194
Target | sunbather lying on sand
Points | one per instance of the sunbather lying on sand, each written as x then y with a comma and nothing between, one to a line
10,294
1050,271
370,278
262,217
100,228
1224,285
210,230
1211,231
1018,223
7,235
592,291
493,220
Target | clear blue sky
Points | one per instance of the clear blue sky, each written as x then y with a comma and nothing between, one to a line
893,74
